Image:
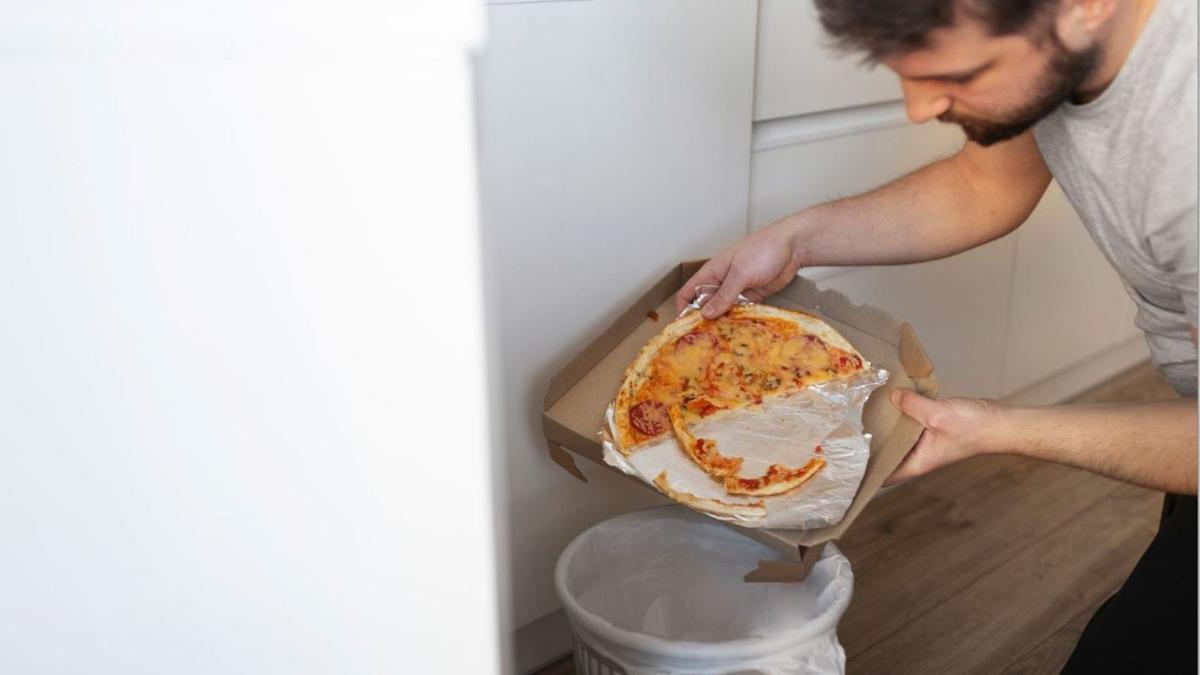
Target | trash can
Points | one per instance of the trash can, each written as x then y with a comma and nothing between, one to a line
661,591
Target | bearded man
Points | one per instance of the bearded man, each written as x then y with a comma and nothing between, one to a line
1101,96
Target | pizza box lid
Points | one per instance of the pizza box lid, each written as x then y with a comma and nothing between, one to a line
573,410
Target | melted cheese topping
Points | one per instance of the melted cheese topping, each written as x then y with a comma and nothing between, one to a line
734,362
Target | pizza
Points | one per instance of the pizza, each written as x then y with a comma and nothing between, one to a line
698,369
754,509
707,368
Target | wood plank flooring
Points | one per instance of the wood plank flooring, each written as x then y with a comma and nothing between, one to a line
993,565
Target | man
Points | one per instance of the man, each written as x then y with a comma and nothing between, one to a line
1101,95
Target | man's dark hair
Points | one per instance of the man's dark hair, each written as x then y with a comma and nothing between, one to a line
883,28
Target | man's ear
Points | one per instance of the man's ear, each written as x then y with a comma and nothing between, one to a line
1078,22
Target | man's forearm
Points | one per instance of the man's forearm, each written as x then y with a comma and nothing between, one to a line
922,216
944,208
1149,444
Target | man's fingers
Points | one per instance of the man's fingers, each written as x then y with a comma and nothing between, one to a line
706,275
914,405
917,461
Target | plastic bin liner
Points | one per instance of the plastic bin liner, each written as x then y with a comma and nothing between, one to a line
661,591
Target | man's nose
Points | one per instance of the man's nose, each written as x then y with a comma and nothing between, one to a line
924,100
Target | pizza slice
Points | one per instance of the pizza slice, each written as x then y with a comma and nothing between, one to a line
754,509
703,451
777,480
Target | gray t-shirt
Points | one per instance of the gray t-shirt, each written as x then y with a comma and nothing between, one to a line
1127,162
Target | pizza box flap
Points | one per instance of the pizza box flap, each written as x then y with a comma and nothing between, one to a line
579,393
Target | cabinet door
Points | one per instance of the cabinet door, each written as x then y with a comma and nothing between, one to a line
958,306
798,164
1068,304
615,142
798,73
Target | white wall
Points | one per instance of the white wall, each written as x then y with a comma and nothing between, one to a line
223,426
615,142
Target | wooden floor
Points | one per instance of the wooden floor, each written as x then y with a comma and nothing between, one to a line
993,565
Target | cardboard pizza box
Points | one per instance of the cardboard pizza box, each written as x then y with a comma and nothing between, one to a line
573,411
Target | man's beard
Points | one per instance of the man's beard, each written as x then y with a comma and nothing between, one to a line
1058,83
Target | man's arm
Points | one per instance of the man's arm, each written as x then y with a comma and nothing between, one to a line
1148,444
949,206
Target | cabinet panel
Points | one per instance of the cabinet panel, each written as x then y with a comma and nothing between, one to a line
958,306
797,73
1067,301
615,141
788,178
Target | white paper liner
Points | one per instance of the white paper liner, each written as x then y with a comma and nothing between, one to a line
786,431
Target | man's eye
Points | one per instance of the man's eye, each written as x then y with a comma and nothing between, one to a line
965,79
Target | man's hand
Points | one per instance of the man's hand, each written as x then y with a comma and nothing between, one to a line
955,429
756,267
1149,444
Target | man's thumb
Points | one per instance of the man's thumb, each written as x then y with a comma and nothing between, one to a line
914,405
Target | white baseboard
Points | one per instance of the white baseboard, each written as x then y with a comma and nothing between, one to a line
539,643
1080,377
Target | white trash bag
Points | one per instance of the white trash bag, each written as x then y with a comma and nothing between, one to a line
660,591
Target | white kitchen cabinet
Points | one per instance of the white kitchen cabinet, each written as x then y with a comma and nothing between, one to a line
795,172
615,142
798,73
996,320
958,306
1068,304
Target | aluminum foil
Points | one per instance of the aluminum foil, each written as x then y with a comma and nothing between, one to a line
785,431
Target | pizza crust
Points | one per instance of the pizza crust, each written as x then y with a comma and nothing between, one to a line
754,509
778,480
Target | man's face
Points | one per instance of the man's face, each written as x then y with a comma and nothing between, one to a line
993,87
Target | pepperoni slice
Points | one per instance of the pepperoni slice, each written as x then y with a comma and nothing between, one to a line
649,417
849,362
697,337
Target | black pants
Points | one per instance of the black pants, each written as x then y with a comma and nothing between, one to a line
1149,624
